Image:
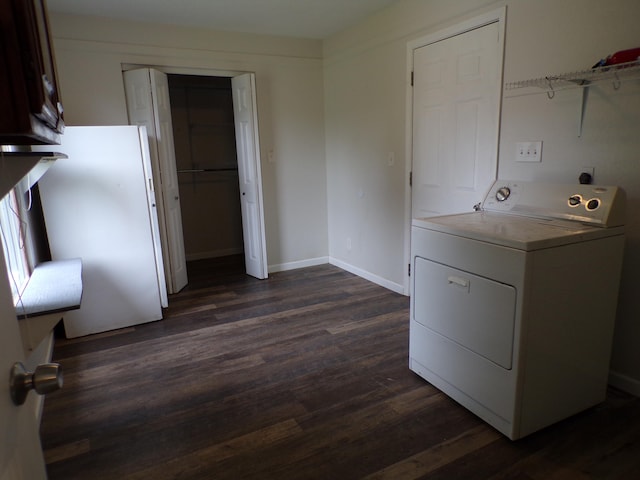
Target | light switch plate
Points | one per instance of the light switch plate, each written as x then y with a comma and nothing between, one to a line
529,151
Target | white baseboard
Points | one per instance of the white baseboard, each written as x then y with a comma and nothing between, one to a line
214,254
340,264
624,383
310,262
383,282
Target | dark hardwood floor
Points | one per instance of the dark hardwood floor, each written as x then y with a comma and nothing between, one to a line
301,376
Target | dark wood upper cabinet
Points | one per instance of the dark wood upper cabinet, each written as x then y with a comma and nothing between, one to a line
31,111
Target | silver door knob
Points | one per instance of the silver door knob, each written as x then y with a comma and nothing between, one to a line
46,378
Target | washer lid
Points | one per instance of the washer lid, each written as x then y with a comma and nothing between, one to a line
522,233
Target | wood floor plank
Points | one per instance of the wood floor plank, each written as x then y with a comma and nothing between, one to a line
192,464
420,464
67,451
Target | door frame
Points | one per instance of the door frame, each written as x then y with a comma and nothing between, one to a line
495,16
211,72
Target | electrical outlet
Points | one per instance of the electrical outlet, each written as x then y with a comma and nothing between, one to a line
588,170
529,151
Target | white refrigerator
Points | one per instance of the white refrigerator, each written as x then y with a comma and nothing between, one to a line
99,205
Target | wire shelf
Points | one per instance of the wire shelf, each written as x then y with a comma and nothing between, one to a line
584,78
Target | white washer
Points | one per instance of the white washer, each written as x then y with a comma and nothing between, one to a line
513,306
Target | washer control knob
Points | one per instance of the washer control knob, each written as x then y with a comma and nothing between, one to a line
593,204
575,200
503,193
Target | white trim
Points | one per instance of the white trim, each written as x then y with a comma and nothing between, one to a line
488,18
624,383
499,15
309,262
383,282
171,70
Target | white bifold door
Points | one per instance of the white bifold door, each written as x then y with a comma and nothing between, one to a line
249,173
148,104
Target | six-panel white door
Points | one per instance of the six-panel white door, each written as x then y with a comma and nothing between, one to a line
456,99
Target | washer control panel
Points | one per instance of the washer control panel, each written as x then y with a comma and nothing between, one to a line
592,204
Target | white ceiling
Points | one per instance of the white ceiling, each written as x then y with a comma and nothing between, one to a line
297,18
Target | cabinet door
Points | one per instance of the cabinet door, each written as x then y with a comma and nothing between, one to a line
29,98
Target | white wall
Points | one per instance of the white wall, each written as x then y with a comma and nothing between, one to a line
365,86
90,54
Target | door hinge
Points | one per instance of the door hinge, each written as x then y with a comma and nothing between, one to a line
412,78
409,270
411,179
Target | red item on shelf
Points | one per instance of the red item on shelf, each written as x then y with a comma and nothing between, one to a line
623,56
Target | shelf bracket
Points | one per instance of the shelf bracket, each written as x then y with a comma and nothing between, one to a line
583,107
616,81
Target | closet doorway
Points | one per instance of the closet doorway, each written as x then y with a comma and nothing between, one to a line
206,162
149,104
